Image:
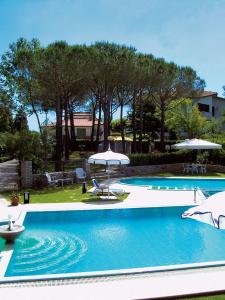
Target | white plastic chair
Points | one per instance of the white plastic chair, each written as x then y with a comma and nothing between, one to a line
51,181
187,168
203,169
80,174
194,168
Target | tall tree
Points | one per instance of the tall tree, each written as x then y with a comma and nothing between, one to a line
17,70
60,74
6,112
150,121
186,120
105,58
123,91
172,82
20,121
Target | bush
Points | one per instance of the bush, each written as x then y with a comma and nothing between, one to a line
217,157
4,158
40,181
141,159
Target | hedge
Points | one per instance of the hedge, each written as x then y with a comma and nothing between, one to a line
217,157
4,158
140,159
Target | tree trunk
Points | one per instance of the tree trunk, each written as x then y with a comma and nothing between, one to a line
38,120
106,105
122,128
134,124
106,126
59,150
99,125
67,136
93,123
162,129
141,123
72,129
36,114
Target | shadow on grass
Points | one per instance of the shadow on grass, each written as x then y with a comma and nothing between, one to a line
99,201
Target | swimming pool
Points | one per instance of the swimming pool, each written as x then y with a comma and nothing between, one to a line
186,183
112,240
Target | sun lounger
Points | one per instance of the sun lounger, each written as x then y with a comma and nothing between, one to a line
103,188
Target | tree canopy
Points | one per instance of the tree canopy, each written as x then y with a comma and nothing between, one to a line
105,77
186,120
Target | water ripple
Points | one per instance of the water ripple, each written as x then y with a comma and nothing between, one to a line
50,251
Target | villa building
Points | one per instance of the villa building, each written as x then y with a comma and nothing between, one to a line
210,104
83,125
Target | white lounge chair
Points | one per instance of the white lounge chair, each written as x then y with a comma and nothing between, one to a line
203,168
103,188
51,181
187,168
80,174
99,188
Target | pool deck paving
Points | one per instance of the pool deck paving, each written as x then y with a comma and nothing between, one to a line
138,197
154,286
141,286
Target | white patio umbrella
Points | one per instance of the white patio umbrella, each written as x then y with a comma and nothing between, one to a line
196,144
211,211
109,158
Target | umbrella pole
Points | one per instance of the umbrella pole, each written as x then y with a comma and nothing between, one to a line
108,181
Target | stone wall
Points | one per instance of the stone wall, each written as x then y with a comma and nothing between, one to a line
26,174
123,171
175,168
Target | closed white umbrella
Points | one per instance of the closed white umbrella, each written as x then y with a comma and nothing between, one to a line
109,158
211,211
196,144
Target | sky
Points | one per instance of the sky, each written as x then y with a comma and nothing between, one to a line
187,32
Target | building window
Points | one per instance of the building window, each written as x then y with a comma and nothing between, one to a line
213,111
203,107
81,133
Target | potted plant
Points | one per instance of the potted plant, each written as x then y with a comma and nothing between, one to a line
14,199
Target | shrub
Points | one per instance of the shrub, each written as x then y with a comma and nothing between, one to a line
4,158
141,159
40,181
217,157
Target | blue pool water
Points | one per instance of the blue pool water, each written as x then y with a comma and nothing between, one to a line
187,183
99,240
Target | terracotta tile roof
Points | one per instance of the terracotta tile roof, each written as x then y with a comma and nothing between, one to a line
81,122
206,94
77,123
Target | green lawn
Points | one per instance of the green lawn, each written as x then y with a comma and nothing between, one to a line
69,193
215,297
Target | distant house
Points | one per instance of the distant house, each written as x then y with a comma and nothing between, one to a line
210,104
83,126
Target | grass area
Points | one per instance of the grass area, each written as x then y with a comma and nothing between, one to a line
69,193
214,297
